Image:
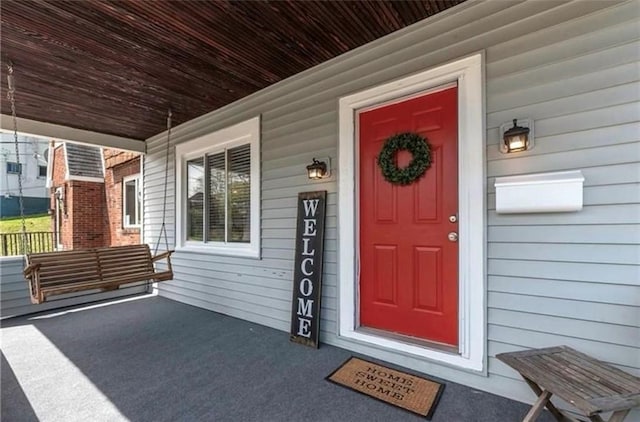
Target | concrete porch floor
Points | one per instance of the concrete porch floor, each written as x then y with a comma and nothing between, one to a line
153,359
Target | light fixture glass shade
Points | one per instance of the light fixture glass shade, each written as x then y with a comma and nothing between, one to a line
517,138
517,143
317,169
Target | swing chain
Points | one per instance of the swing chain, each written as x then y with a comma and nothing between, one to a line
12,99
163,228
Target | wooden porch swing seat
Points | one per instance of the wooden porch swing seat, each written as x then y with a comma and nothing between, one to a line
108,268
103,269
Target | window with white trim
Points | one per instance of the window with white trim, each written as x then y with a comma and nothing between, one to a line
131,202
218,191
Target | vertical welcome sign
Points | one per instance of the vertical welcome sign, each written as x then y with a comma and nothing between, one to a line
307,273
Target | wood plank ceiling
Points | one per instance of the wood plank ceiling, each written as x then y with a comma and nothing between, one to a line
116,66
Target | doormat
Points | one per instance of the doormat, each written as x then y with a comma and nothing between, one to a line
409,392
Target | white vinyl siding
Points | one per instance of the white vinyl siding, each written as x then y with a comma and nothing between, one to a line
552,279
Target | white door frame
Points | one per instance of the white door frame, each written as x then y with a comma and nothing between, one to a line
468,73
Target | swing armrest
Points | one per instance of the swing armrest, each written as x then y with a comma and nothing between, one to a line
30,270
163,255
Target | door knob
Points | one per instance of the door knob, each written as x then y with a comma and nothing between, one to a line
453,236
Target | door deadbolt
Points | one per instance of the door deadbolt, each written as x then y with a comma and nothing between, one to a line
453,236
453,218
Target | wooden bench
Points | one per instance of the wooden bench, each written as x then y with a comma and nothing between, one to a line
590,385
56,273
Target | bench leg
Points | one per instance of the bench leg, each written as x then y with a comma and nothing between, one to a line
560,417
537,407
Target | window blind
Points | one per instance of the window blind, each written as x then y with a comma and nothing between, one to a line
239,197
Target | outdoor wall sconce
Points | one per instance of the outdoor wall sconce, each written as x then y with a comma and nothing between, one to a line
516,138
319,169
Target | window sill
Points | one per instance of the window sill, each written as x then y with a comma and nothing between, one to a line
245,252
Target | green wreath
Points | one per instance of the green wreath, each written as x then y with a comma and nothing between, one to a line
417,145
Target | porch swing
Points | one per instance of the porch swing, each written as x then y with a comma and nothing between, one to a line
103,269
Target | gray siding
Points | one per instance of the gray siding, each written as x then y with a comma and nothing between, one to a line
14,292
552,278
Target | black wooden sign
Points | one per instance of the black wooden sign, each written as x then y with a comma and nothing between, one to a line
307,273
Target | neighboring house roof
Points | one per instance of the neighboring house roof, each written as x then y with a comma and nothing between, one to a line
84,161
197,197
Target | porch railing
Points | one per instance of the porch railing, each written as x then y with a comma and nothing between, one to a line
11,243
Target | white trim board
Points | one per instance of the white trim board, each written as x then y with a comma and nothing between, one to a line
84,179
469,75
65,133
50,161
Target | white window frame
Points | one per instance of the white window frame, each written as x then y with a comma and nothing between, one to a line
138,211
246,132
468,74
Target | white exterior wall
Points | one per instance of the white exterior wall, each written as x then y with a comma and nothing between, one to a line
572,67
32,154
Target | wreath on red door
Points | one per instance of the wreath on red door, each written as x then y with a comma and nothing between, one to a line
419,148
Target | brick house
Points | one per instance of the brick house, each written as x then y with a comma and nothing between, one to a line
95,196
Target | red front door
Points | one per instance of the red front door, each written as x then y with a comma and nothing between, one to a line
408,266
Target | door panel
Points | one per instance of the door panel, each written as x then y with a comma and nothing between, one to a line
428,296
386,262
408,268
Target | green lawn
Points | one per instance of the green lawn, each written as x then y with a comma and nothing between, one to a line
36,223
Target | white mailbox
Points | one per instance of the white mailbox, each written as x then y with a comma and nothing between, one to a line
542,192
